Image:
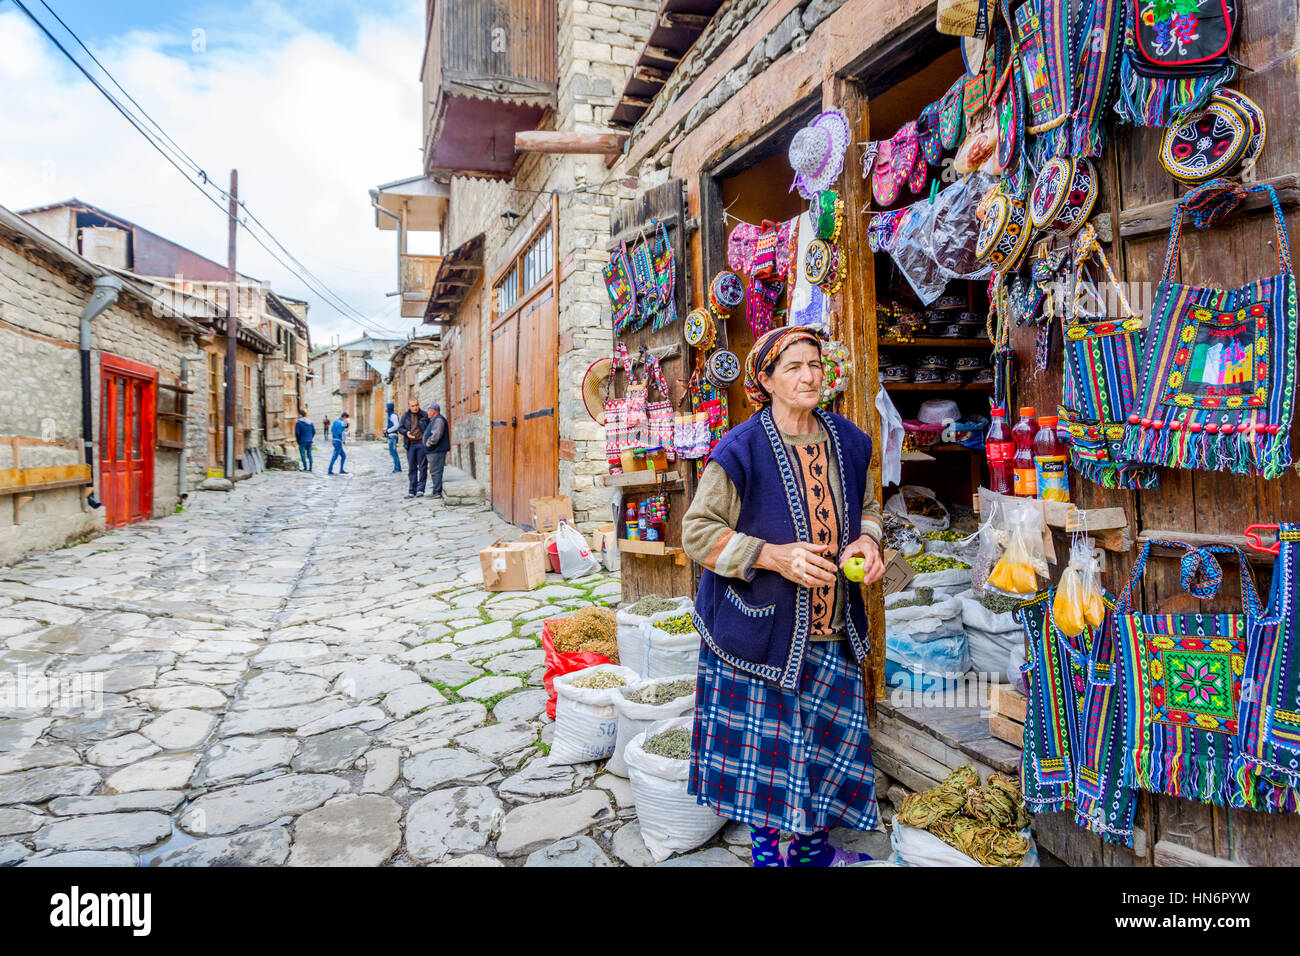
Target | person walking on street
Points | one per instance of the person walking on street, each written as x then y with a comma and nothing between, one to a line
304,432
391,431
437,442
336,432
412,427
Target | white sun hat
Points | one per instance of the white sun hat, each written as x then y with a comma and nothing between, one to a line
817,153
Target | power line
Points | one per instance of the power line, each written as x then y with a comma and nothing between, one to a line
314,284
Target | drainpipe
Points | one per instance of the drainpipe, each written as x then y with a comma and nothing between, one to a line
401,234
107,288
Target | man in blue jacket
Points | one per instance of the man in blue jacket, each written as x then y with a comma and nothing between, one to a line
336,432
412,428
304,431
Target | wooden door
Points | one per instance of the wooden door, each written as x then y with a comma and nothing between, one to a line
128,402
504,422
537,436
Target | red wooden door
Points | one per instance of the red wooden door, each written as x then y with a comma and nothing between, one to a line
537,439
505,420
128,401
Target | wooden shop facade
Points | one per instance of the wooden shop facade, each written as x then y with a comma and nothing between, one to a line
718,94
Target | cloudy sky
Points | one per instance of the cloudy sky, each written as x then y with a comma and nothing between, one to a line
314,101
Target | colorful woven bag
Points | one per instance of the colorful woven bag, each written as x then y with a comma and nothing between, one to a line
1220,365
1181,679
1073,754
760,304
647,293
665,266
618,284
951,116
1100,368
1175,55
763,262
1266,770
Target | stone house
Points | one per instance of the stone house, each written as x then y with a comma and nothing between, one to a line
518,295
416,372
350,378
271,341
65,450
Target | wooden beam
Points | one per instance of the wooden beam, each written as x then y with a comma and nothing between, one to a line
648,74
563,141
636,103
684,21
1158,217
659,53
1200,541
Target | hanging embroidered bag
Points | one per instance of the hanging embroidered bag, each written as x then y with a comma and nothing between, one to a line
643,278
665,266
1175,55
1182,679
740,247
1073,747
1220,365
1266,772
763,262
1100,370
927,131
618,283
951,115
760,304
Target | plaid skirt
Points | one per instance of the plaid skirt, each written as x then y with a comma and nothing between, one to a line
800,761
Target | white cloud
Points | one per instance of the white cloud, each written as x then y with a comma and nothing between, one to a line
311,125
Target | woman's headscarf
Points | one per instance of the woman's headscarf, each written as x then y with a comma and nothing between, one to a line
764,354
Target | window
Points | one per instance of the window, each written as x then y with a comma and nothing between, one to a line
214,391
508,290
246,394
538,259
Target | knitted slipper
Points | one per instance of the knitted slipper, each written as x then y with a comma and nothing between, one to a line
847,858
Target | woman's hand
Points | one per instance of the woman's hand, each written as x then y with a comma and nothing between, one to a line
868,549
799,562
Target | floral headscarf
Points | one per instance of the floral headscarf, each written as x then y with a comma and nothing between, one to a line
764,354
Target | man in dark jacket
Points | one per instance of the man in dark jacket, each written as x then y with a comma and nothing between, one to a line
304,432
412,427
437,442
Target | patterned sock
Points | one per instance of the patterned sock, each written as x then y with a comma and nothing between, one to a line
810,849
766,846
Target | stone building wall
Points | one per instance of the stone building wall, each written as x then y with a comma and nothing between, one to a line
598,43
40,392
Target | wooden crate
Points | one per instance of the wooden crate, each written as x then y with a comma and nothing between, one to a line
1007,722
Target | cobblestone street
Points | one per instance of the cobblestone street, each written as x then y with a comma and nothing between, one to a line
304,671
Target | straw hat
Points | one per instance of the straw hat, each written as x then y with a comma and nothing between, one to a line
593,389
817,153
963,18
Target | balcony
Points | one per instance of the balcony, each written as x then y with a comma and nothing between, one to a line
489,72
418,273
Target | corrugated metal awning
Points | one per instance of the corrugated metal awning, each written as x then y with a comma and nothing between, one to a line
382,366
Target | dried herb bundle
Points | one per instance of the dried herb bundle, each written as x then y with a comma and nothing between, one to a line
592,630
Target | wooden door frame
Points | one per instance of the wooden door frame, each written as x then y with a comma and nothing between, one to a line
524,297
113,366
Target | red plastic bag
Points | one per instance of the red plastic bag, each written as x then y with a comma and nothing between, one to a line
558,664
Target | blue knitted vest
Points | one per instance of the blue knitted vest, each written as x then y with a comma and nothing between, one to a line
761,627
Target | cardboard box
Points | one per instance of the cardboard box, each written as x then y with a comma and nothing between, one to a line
549,512
897,572
513,565
604,546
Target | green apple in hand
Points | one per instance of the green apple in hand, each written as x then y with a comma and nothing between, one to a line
855,568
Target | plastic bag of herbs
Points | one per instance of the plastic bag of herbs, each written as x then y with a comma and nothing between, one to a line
658,763
632,649
648,702
586,724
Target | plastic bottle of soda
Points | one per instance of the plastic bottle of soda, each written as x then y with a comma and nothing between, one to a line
1022,465
998,448
1050,462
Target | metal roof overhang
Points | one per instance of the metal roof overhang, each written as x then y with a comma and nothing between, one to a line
425,202
475,135
456,276
678,24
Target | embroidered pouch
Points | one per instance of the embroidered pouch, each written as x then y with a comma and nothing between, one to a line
1175,55
725,292
1266,773
760,304
884,185
1063,195
1208,143
665,267
977,90
618,284
1182,679
643,277
787,242
740,247
700,330
1220,368
927,131
950,116
763,261
905,154
1044,111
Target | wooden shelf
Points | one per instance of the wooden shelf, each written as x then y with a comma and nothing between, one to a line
176,388
645,479
656,548
171,416
938,387
935,342
1201,540
174,445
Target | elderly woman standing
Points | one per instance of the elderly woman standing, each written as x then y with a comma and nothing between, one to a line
780,711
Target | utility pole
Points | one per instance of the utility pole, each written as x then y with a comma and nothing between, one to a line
232,328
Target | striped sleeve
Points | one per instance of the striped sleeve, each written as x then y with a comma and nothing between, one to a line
709,535
872,523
